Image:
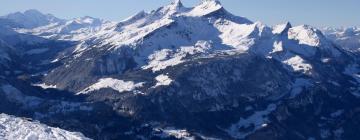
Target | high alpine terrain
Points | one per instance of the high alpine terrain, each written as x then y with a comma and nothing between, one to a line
176,73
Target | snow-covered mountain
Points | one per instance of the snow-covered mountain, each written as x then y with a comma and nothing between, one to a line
74,30
183,73
32,18
348,38
205,31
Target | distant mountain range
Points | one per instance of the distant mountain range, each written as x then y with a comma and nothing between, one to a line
177,73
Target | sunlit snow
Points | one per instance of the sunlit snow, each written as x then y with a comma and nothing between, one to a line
115,84
163,80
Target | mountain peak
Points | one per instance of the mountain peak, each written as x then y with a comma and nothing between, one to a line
173,8
88,20
177,3
206,7
32,18
307,35
282,28
33,12
206,4
211,1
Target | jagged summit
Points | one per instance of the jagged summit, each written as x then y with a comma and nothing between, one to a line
206,7
177,3
307,35
172,9
211,1
282,28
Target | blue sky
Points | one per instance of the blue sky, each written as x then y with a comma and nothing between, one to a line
313,12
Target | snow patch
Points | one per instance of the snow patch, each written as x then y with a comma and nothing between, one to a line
298,64
163,80
172,132
115,84
54,61
325,60
164,58
257,120
160,60
45,86
278,47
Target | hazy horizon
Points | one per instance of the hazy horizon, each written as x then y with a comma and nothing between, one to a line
318,13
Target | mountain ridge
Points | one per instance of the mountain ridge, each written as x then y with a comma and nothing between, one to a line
183,73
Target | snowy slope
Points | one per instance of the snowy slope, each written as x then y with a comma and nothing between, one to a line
148,32
12,128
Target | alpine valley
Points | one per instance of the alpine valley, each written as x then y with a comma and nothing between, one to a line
176,73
